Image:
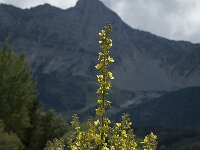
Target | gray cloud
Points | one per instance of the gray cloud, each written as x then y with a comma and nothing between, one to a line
31,3
173,19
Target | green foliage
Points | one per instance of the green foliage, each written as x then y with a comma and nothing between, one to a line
55,145
23,125
17,92
100,134
9,141
48,126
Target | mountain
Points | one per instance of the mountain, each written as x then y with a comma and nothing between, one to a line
177,109
61,47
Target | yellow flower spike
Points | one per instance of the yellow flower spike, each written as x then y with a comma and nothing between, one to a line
99,134
153,136
102,33
149,142
104,84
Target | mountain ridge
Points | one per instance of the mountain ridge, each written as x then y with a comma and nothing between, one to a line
61,44
47,5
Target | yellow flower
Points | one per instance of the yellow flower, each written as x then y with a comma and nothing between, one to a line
99,78
110,75
97,138
107,103
112,148
97,122
73,147
118,125
100,90
105,148
99,101
100,111
110,42
110,59
123,133
153,136
98,66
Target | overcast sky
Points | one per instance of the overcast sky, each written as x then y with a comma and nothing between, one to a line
173,19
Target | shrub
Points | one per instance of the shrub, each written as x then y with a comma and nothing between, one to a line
9,141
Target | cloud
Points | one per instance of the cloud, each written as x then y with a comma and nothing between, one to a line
173,19
64,4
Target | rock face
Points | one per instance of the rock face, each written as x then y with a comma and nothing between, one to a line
64,42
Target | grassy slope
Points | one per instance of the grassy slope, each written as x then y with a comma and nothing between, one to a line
75,94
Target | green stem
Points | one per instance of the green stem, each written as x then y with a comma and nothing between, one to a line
103,100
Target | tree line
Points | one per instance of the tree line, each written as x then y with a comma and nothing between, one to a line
23,124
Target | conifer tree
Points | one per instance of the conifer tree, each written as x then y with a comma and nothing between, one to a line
17,92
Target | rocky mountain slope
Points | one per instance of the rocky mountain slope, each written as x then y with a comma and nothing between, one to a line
63,44
178,109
